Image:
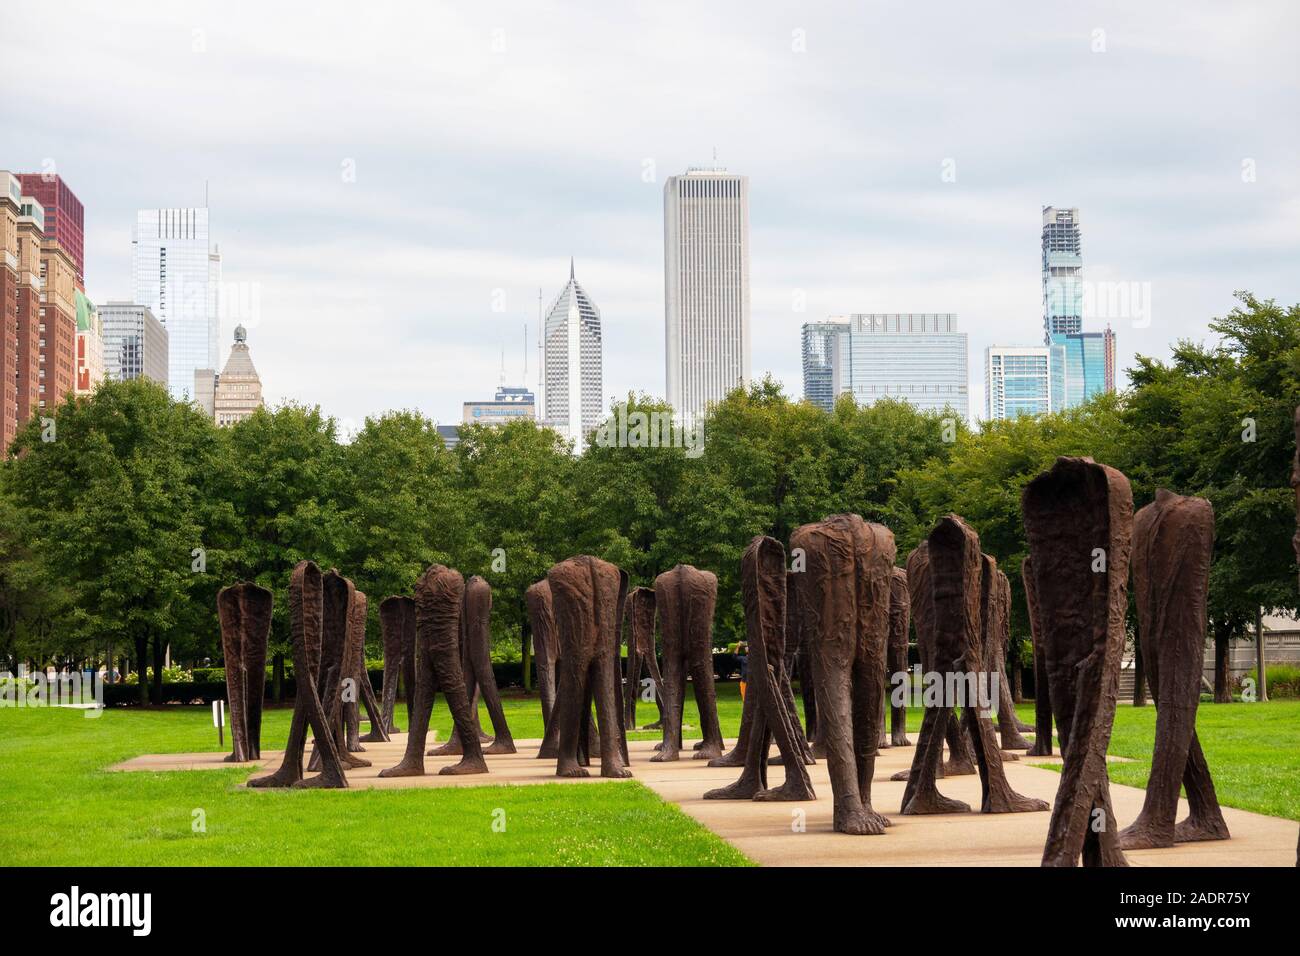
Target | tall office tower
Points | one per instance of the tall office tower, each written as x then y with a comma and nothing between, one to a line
135,343
239,387
918,357
1062,273
825,351
65,218
706,287
572,362
90,347
58,326
11,207
1083,362
1017,380
177,275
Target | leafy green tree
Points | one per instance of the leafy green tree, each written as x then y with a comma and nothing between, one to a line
628,486
31,600
278,493
111,502
402,507
517,488
1216,421
986,472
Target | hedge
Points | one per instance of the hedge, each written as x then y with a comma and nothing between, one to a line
209,683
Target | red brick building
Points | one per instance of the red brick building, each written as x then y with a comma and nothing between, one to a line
65,217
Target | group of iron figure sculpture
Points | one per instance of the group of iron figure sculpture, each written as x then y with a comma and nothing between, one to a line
839,622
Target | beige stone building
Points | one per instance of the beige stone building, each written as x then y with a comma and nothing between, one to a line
239,389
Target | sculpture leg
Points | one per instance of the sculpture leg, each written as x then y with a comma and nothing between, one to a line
754,777
998,797
607,713
374,712
835,695
1008,723
1042,706
674,704
503,742
658,683
230,610
707,704
738,755
922,794
897,714
326,749
305,611
570,716
452,682
453,747
1205,821
418,712
960,762
256,633
632,672
868,723
546,688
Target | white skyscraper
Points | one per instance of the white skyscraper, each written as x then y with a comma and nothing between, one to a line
706,287
573,398
1018,381
178,277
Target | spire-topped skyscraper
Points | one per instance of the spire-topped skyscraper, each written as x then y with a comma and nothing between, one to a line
572,364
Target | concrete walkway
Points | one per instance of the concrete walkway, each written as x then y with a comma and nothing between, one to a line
799,834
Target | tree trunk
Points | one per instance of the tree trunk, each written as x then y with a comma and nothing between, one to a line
141,655
1017,681
277,679
1260,665
1222,679
159,648
1139,677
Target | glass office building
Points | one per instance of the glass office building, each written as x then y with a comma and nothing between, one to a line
1089,360
920,358
135,343
825,347
1018,380
178,276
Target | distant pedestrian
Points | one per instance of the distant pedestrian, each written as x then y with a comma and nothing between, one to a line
742,655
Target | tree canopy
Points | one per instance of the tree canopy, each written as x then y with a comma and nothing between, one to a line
119,524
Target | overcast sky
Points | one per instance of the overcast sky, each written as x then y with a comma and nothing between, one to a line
391,185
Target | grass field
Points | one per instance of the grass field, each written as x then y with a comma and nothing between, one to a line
62,808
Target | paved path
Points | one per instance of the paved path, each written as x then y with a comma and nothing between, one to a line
765,832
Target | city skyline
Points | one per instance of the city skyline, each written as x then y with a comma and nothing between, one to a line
906,187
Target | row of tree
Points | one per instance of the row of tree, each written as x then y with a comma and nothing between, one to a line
121,518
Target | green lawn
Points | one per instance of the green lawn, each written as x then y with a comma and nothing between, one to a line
62,808
1253,751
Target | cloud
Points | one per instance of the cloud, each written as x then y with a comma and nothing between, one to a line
490,142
